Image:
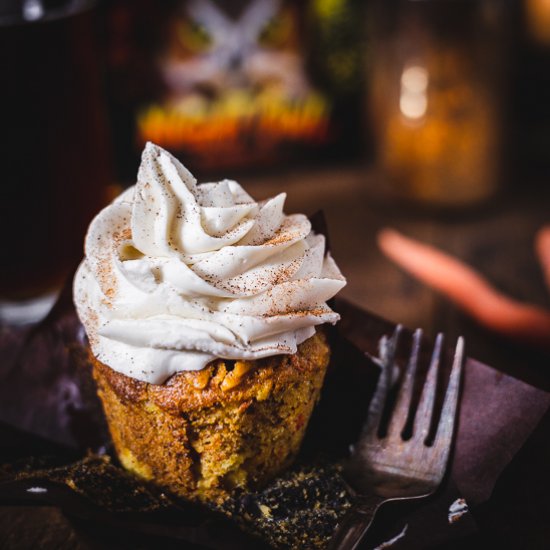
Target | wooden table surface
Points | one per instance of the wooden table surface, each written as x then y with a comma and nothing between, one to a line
497,240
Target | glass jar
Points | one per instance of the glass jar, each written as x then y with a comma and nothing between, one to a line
435,102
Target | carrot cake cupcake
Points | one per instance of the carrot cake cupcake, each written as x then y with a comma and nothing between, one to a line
202,307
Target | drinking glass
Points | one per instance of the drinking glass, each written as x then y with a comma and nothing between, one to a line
53,150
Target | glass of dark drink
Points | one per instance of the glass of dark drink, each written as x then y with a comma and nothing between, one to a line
53,149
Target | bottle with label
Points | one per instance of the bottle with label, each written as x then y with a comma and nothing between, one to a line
229,85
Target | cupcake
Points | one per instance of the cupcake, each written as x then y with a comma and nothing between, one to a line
203,309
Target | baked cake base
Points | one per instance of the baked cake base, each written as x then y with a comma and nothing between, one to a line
205,434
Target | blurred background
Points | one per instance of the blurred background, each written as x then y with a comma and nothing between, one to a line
432,116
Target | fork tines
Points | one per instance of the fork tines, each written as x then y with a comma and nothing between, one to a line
401,415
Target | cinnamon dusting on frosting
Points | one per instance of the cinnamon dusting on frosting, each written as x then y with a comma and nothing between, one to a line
179,274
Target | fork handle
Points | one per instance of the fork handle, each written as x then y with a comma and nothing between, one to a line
355,523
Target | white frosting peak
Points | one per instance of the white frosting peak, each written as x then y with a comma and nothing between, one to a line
177,274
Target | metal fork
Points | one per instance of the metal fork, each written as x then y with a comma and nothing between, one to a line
385,467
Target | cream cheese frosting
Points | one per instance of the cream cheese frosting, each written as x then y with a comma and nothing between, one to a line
177,274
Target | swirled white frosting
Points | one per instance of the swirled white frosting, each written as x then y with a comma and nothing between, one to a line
177,274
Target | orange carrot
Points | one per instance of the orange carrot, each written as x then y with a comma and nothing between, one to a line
542,247
469,290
